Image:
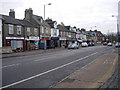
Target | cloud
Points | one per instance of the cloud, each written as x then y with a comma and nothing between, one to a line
81,13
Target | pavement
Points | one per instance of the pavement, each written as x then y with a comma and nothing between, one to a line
93,75
32,52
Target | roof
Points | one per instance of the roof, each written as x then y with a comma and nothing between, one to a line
11,20
62,28
27,23
38,20
51,23
68,27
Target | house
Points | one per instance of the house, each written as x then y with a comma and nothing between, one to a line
72,32
54,32
45,38
12,32
64,35
31,35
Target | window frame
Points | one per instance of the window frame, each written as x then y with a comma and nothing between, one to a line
11,31
18,31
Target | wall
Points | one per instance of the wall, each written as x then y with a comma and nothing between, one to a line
0,31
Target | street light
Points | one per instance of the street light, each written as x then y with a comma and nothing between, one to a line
44,26
117,27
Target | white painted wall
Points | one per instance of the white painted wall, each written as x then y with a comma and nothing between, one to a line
0,31
53,33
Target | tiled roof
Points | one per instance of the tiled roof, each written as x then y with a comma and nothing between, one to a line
27,23
11,20
38,20
62,28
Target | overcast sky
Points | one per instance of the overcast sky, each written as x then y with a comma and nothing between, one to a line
80,13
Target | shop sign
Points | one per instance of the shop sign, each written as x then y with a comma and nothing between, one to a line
62,38
14,37
33,38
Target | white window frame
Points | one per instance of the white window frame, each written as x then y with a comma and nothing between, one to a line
18,30
42,30
35,31
11,29
28,30
46,30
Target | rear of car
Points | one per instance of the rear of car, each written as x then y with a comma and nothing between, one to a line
117,44
73,46
109,44
84,44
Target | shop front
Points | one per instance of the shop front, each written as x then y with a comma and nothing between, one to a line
16,43
63,42
32,43
45,41
55,41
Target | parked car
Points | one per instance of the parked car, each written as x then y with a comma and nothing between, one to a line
84,44
117,44
93,44
109,44
90,44
73,46
105,43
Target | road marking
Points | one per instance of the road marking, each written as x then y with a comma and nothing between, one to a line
106,75
11,65
32,77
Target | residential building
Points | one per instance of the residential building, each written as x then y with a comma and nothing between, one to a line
45,37
31,35
12,32
72,32
64,35
54,32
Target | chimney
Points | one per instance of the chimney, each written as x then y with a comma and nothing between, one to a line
12,13
28,14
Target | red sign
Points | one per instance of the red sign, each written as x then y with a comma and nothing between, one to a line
49,38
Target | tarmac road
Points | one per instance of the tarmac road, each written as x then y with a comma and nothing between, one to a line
45,70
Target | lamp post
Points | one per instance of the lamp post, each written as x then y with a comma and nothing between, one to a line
117,27
44,26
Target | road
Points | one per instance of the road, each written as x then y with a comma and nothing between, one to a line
45,70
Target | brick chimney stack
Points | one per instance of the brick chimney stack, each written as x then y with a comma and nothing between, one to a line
28,14
12,13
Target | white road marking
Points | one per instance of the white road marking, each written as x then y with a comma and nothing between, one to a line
32,77
11,65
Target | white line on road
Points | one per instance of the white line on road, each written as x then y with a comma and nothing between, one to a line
11,65
32,77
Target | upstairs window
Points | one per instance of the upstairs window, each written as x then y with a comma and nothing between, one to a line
28,31
19,30
11,29
42,30
35,31
46,30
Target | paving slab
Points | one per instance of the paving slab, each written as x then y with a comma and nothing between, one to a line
93,75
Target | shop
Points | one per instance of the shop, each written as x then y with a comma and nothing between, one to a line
47,41
32,43
55,41
63,41
17,43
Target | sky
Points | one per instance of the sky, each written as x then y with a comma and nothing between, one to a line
88,14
